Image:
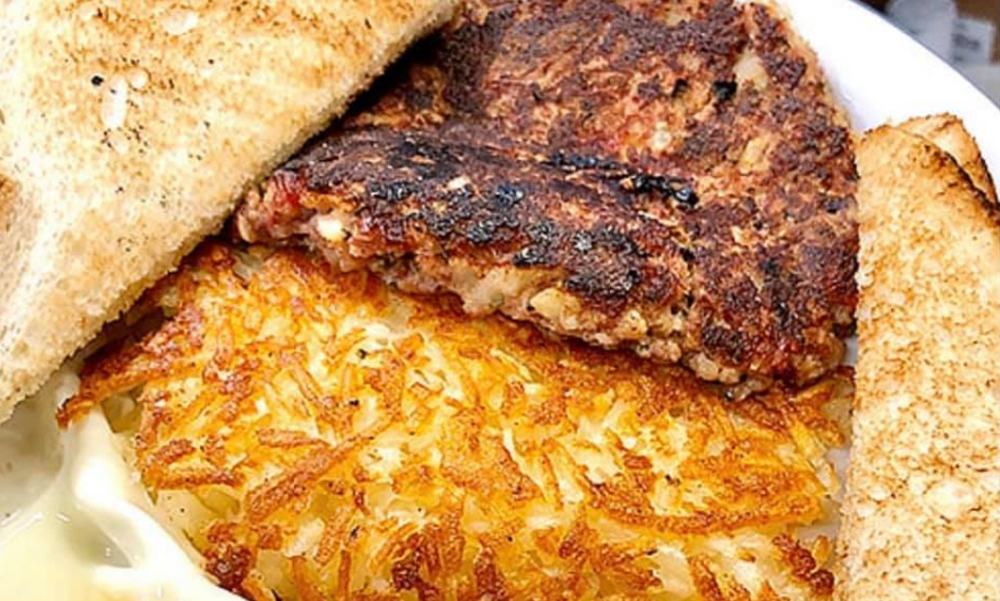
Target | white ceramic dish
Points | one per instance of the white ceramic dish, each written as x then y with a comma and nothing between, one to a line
877,72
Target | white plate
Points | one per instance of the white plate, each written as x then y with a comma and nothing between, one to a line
877,72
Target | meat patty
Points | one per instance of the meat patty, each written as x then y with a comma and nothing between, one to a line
668,177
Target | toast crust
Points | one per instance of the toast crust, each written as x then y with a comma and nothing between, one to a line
947,132
130,131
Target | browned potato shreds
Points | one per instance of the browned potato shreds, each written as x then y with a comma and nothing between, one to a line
320,436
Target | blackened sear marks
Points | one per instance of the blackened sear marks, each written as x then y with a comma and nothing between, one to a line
835,204
607,283
482,232
466,54
507,196
541,250
629,180
533,255
391,191
669,187
686,196
641,182
724,91
783,63
583,242
488,208
582,162
608,149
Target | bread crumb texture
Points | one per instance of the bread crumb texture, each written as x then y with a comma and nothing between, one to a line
922,512
129,129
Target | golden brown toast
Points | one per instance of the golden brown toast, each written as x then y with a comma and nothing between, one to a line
129,129
947,132
922,510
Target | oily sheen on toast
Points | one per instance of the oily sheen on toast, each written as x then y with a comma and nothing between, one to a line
922,510
128,129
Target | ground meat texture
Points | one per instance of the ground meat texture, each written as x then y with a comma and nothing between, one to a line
670,178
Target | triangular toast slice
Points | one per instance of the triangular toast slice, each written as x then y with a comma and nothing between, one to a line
129,129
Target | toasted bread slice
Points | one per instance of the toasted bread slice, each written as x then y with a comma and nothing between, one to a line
947,132
129,129
922,510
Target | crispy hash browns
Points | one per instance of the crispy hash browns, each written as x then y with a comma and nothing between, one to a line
320,436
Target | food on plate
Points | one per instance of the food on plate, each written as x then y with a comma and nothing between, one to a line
129,129
922,512
318,435
948,133
667,190
671,178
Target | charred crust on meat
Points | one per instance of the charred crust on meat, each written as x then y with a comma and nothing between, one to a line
681,85
592,147
724,91
784,66
629,180
391,191
572,162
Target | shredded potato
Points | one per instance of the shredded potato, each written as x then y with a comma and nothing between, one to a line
320,436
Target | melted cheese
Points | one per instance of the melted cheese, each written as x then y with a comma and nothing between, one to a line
82,531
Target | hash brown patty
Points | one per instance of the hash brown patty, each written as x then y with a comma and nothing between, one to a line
322,436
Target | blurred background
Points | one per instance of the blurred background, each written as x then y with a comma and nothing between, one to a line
963,32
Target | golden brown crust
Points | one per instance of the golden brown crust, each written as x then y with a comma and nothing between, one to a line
922,511
678,177
947,132
315,433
